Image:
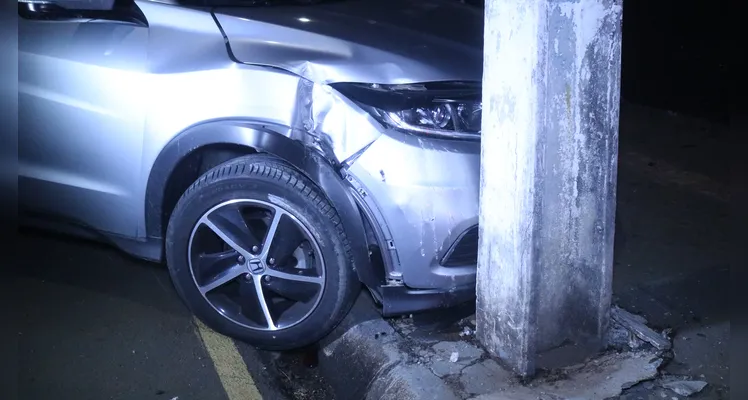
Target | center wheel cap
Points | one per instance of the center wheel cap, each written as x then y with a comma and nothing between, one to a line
255,266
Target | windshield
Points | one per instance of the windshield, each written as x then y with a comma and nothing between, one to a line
261,3
253,3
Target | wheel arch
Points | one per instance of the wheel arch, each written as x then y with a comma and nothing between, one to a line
228,139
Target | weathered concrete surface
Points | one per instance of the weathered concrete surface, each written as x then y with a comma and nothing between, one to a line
362,359
548,174
371,360
409,382
684,387
473,374
466,352
442,368
601,378
485,377
453,357
358,351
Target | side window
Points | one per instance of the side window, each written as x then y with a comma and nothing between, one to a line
124,11
97,5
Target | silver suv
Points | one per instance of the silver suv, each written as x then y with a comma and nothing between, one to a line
275,154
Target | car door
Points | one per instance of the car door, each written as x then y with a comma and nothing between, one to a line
82,82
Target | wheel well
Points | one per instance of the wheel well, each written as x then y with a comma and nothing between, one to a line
204,158
191,167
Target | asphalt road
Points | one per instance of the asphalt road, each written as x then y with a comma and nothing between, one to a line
93,323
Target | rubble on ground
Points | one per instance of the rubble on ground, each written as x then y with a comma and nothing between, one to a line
683,386
636,353
632,327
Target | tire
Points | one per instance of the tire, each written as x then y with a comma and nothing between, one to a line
250,183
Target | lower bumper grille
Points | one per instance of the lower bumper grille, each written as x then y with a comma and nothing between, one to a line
464,251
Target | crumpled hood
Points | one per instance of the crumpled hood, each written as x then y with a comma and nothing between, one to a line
372,41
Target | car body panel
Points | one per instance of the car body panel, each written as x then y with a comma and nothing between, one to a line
162,91
73,76
204,84
413,181
383,41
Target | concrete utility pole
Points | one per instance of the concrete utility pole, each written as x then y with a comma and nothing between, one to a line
549,155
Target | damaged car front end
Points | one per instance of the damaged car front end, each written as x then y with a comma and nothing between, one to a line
390,92
276,154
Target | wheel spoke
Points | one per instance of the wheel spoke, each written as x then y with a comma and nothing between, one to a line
212,264
292,290
223,277
285,239
272,230
228,223
249,303
300,277
264,304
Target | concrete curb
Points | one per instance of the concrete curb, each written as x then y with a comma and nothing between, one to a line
361,359
368,358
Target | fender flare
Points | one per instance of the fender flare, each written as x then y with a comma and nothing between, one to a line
270,139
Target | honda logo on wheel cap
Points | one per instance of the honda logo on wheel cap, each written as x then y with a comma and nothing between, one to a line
255,266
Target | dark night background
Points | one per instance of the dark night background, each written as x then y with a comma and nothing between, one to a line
674,56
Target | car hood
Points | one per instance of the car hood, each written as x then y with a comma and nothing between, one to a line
372,41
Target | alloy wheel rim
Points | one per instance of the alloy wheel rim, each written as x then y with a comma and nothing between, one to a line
256,264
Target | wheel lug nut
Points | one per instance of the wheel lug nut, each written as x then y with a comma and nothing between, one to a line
248,277
240,260
271,261
255,249
267,278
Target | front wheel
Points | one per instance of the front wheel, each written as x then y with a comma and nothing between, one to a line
258,253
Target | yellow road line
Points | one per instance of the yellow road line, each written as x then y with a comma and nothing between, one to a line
231,369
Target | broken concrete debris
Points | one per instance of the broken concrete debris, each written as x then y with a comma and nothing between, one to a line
444,368
683,387
466,331
463,370
637,326
458,352
603,377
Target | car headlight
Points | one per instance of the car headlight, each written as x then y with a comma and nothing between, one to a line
445,109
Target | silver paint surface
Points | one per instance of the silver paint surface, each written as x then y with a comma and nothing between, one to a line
382,41
98,102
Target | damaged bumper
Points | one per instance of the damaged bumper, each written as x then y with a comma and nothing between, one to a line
423,193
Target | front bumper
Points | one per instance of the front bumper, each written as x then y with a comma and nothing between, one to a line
399,300
423,193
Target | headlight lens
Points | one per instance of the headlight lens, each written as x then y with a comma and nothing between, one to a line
446,109
439,118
